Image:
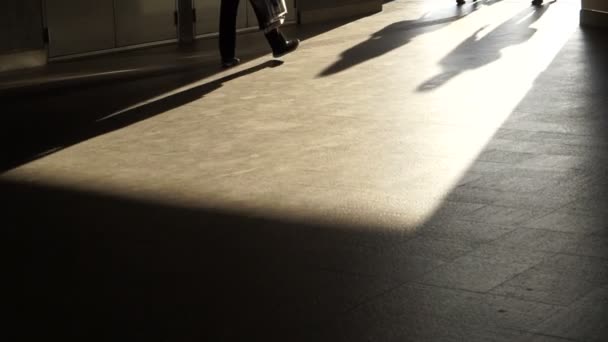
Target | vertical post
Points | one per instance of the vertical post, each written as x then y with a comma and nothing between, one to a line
185,22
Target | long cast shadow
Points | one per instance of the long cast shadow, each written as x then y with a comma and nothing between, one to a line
397,35
101,267
39,121
88,266
486,49
33,126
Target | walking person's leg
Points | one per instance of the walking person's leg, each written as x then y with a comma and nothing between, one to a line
228,14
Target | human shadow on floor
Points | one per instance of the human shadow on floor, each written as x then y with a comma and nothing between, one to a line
397,35
90,265
474,52
34,125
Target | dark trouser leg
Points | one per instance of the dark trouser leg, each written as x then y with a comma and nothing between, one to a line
276,40
228,13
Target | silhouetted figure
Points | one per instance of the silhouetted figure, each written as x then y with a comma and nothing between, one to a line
269,21
487,49
393,37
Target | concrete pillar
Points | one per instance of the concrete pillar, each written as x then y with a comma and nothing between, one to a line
185,22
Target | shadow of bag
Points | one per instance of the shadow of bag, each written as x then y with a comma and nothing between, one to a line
270,13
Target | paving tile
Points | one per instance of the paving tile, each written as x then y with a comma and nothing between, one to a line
422,327
587,245
474,273
584,320
512,170
500,156
543,338
509,254
443,250
507,216
591,206
472,195
472,232
454,210
559,280
544,286
557,105
512,134
394,263
565,222
590,269
535,147
469,177
323,294
514,182
536,239
544,162
540,200
554,241
408,302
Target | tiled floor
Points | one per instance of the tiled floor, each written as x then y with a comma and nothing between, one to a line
424,174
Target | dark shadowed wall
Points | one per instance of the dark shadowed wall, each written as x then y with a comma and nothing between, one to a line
20,25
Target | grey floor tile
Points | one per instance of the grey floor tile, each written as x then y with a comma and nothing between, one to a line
514,182
472,195
546,199
420,328
474,273
563,221
544,286
557,105
472,232
590,205
442,250
543,338
390,262
325,294
588,245
500,156
545,162
556,242
585,268
454,210
536,239
506,216
495,252
512,134
458,307
584,320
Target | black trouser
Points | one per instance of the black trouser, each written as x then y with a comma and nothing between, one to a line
228,13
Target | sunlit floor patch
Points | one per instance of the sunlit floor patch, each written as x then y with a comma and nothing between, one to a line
380,143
